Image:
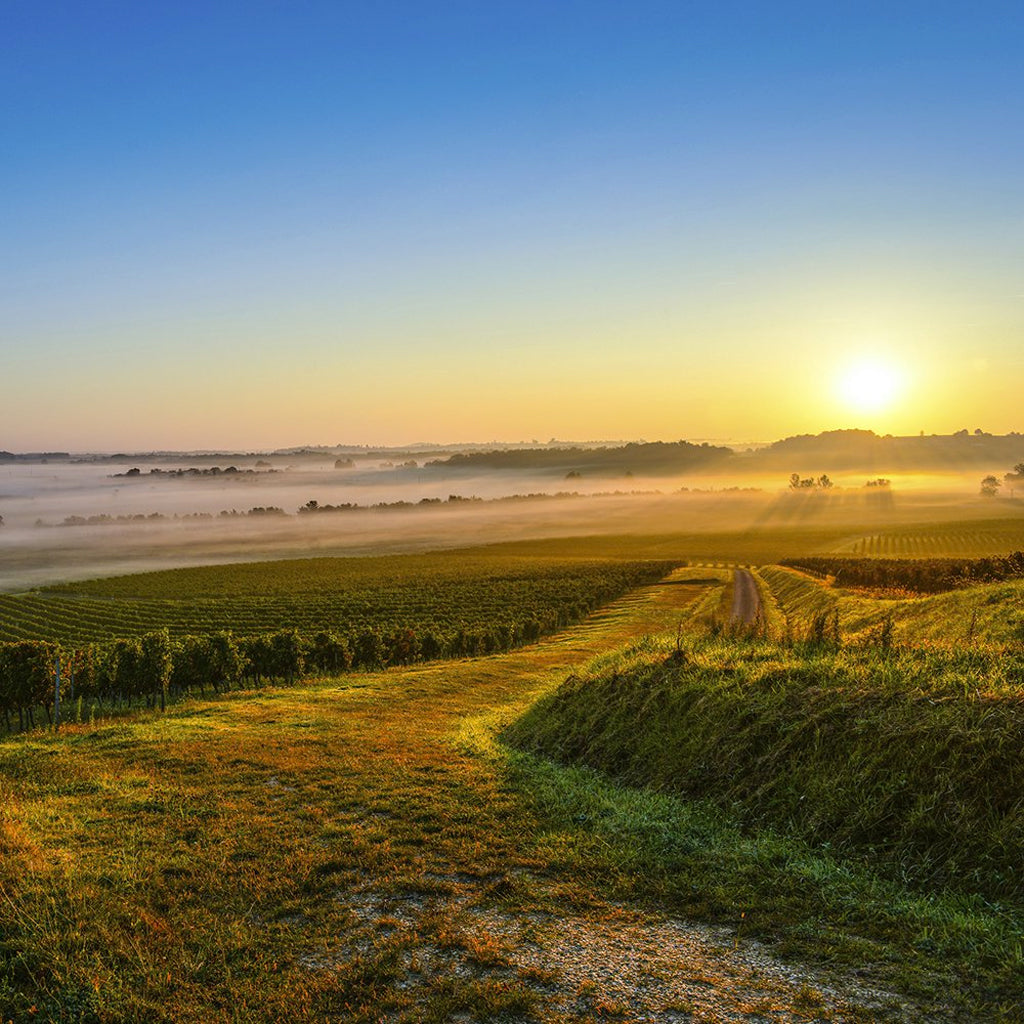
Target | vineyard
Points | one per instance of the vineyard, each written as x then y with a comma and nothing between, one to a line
937,540
446,593
313,616
920,575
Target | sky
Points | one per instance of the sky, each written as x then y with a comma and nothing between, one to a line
251,225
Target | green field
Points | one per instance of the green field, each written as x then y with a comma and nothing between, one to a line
458,840
935,540
767,543
441,592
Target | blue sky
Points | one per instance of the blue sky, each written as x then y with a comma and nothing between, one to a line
269,223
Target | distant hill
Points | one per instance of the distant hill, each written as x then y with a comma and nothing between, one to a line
828,452
865,450
831,451
656,458
32,456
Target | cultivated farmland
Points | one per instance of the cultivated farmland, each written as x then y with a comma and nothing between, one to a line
423,840
938,540
443,593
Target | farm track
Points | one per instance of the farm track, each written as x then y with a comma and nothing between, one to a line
407,867
746,600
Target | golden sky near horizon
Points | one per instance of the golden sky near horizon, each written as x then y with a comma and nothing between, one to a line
506,222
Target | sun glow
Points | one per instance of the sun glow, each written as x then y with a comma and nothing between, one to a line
869,385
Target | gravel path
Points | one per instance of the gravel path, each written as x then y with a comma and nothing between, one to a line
603,962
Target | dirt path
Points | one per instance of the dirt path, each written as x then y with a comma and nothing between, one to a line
746,601
348,851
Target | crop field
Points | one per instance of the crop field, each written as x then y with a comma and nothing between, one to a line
756,546
913,575
444,593
476,838
766,543
938,540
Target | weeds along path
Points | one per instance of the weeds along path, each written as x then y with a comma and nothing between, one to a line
344,850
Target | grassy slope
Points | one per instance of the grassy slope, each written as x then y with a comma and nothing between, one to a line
910,758
217,863
992,614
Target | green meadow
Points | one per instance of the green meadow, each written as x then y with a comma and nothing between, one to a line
818,816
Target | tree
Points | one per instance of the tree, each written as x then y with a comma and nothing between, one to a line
989,487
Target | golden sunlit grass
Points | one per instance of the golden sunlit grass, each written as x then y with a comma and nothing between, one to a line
275,855
360,847
988,614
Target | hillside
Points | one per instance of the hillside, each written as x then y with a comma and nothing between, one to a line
355,847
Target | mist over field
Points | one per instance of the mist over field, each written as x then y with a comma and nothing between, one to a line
511,511
142,520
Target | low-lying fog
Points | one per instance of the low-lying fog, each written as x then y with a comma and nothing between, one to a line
36,499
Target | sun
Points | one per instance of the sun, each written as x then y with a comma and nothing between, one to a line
869,385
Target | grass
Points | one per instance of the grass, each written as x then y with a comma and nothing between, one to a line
291,854
341,849
908,757
960,957
989,614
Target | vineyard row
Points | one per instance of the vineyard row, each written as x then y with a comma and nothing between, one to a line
920,575
337,598
149,666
